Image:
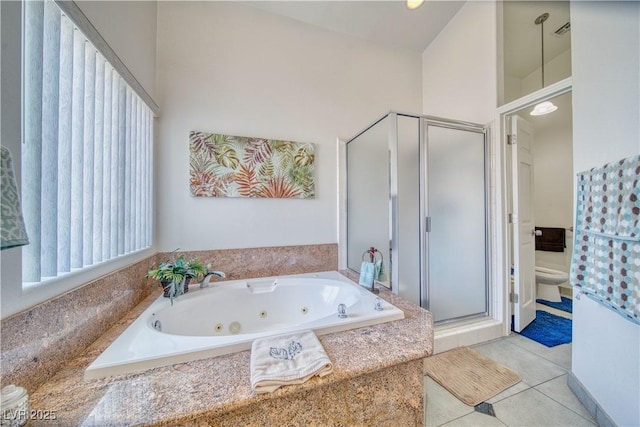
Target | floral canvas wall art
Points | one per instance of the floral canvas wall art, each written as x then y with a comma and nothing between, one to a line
238,166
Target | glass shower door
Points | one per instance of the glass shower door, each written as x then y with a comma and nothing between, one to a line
368,195
456,232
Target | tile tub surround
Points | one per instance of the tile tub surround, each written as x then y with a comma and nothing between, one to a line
377,376
37,342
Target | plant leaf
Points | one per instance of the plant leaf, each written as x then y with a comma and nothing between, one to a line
301,177
304,155
279,187
265,171
248,184
282,146
257,151
227,157
202,143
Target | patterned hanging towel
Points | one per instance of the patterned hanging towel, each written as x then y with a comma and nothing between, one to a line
606,255
12,230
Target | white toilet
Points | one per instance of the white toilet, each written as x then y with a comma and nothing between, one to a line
547,281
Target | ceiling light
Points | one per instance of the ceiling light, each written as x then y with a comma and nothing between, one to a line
414,4
545,107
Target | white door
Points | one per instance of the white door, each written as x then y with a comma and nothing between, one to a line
523,232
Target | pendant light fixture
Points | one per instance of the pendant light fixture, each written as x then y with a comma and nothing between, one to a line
545,107
414,4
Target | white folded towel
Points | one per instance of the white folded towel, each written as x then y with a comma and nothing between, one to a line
287,359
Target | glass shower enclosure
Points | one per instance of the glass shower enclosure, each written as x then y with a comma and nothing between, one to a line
417,191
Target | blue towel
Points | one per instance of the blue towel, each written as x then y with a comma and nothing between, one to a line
367,273
379,273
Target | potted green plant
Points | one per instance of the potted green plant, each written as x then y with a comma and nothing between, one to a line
175,276
195,269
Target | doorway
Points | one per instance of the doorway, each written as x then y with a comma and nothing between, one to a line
539,193
454,251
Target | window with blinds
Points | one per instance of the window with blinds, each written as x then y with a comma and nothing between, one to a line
86,152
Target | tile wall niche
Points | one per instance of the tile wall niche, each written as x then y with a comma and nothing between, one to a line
37,342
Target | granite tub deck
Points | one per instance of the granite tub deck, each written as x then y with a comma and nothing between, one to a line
377,379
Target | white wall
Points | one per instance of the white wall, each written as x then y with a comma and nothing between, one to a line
129,27
558,68
459,67
606,118
229,68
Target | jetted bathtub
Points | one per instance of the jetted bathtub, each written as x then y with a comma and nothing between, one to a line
227,316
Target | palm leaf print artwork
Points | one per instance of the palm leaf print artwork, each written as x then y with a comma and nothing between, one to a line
238,166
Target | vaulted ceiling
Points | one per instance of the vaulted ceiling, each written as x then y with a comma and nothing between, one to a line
388,23
392,24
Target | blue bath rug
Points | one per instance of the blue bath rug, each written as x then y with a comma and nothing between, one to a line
548,329
565,305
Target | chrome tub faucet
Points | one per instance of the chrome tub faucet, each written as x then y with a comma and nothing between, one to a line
205,280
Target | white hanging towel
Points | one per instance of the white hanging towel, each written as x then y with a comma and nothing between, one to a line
287,359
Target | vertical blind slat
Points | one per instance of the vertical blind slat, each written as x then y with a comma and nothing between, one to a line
143,195
127,173
64,146
122,132
86,154
98,143
132,176
143,170
106,166
135,196
138,178
145,175
32,147
77,145
150,175
115,158
89,116
50,91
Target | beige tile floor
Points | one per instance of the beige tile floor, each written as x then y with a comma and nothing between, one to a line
542,398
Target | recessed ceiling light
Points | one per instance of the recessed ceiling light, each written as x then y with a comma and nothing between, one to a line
414,4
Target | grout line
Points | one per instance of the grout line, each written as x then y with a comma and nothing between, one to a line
515,343
515,394
537,354
591,420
